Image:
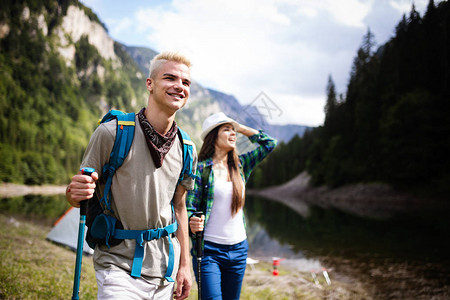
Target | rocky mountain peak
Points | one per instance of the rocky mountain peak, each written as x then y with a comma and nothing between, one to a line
77,24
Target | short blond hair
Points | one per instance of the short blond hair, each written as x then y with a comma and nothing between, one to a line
164,57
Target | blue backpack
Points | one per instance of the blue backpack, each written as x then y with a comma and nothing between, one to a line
103,228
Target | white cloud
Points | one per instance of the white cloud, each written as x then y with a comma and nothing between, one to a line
307,11
286,48
346,12
271,13
245,47
350,12
226,43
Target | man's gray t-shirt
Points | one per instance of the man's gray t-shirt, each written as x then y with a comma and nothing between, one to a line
141,199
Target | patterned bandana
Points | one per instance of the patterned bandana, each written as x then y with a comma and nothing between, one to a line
158,144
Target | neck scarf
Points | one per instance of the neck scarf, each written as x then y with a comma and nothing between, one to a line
159,145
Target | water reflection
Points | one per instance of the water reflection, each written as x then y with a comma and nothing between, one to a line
332,230
46,209
405,257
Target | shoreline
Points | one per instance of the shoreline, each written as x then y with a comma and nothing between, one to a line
8,190
373,200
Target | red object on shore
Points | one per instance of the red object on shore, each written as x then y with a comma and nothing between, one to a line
276,261
275,264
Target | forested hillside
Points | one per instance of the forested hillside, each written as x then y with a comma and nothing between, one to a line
392,123
54,84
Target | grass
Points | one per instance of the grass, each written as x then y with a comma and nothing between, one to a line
33,268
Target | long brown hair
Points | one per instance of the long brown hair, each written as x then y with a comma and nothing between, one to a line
207,151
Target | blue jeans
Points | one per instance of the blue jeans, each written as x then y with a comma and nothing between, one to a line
222,270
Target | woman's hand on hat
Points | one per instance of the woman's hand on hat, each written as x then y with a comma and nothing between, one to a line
247,131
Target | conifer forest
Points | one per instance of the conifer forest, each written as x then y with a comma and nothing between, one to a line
392,123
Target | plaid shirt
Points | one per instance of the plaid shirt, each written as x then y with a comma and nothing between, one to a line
248,162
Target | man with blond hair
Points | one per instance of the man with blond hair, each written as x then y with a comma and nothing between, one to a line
142,190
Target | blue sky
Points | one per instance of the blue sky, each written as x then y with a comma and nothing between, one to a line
284,48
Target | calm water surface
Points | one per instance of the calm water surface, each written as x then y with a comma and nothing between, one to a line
402,258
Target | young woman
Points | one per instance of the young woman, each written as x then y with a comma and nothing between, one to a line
220,197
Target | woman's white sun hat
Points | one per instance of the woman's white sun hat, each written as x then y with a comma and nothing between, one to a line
215,120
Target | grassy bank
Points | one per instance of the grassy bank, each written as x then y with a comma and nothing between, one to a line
33,268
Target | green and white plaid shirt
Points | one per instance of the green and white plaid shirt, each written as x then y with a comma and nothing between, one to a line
248,162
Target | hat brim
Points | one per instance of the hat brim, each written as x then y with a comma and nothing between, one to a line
210,128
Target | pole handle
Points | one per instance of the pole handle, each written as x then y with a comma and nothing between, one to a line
83,204
199,236
87,171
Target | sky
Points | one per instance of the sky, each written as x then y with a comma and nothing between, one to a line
282,49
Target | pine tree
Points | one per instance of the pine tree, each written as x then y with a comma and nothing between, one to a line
331,103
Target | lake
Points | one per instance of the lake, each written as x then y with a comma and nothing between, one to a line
405,257
44,209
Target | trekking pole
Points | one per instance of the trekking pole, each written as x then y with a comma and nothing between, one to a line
83,210
198,238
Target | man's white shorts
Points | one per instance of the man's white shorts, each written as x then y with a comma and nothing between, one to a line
116,284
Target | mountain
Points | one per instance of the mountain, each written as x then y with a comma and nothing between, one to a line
60,71
141,55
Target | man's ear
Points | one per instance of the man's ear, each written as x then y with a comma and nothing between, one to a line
149,84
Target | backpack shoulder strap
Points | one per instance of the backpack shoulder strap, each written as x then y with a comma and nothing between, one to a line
205,186
122,144
188,154
110,115
124,138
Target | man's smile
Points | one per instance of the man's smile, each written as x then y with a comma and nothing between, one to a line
176,95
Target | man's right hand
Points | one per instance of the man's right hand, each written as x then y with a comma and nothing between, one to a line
82,187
